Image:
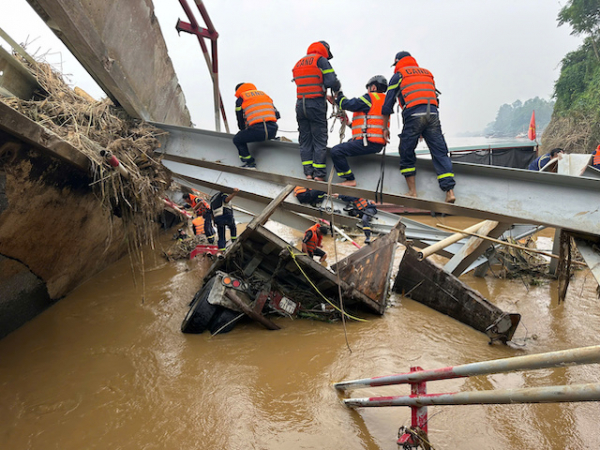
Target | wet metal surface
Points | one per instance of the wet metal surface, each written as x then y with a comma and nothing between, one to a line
495,193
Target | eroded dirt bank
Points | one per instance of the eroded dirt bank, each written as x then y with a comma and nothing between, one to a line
54,234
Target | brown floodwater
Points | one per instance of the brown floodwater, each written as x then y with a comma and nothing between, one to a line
108,368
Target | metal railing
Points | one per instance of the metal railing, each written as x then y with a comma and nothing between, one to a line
416,434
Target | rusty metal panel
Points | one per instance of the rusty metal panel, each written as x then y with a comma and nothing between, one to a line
429,284
369,269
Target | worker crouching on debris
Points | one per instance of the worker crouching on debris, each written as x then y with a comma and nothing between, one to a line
363,209
541,161
313,75
415,90
367,127
222,213
256,118
309,196
313,240
203,221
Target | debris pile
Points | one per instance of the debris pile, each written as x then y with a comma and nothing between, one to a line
101,130
184,247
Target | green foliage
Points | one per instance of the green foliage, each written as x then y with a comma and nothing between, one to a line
512,120
578,86
575,124
582,15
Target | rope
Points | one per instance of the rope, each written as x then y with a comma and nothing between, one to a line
332,222
341,115
291,250
379,188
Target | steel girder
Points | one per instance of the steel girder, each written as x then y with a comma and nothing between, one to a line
495,193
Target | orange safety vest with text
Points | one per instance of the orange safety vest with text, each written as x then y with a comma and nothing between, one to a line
315,240
257,107
417,86
372,129
308,77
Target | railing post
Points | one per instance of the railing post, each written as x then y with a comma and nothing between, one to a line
418,415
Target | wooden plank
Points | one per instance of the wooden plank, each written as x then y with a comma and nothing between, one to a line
250,312
253,264
262,218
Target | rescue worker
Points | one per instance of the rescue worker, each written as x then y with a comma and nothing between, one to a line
596,158
363,209
313,240
202,209
417,95
541,161
257,120
222,213
313,75
310,196
367,127
181,235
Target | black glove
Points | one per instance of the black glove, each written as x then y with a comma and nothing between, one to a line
338,96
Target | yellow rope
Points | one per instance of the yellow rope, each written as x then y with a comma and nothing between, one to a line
291,250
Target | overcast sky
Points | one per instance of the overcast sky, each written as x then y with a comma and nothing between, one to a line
483,53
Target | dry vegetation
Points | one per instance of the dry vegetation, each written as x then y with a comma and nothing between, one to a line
580,134
93,126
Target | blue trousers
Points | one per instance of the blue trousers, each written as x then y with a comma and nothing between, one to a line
367,215
311,196
255,133
209,231
223,222
354,147
312,125
431,129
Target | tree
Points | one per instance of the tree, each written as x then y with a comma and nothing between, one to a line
584,18
511,120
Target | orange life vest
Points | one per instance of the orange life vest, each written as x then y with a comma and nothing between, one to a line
198,223
417,86
596,158
199,204
361,204
257,106
315,240
373,129
308,77
299,190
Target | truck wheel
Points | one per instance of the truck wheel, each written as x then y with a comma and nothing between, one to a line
201,312
224,320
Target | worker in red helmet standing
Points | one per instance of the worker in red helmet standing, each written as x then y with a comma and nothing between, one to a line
257,120
415,90
368,124
313,75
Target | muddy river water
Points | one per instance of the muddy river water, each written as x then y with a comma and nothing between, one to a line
108,368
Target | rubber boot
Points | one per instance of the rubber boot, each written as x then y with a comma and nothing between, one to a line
411,182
